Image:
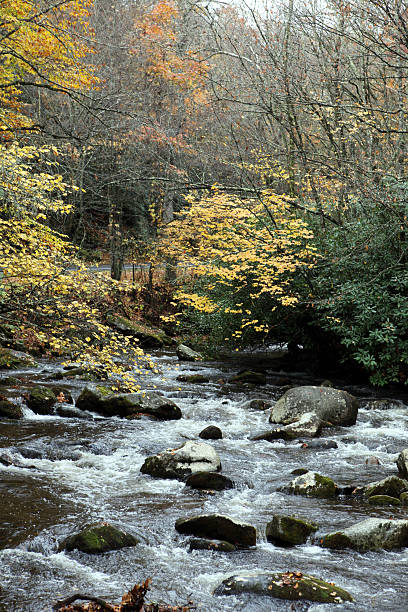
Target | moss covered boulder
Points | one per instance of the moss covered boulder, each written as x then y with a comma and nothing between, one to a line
97,539
14,360
193,378
10,410
41,400
179,463
250,377
289,530
391,486
371,534
219,527
293,586
331,406
384,500
148,337
312,484
104,401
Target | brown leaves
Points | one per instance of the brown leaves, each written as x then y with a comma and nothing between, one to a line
132,601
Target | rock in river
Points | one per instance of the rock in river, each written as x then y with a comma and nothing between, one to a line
288,585
10,410
391,486
212,432
209,481
402,463
219,527
185,353
41,400
214,545
371,534
181,462
332,406
97,539
102,400
312,484
289,530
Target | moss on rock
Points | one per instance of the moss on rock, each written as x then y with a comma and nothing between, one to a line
313,484
97,539
289,530
384,500
41,400
10,410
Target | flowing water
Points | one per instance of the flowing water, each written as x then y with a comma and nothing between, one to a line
71,472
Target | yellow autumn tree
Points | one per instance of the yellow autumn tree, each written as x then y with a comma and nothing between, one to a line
243,253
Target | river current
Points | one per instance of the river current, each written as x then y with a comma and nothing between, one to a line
76,472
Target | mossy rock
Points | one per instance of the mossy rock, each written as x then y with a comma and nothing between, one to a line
185,353
313,484
14,360
97,539
293,586
212,432
41,400
289,530
249,377
371,534
384,500
391,486
10,410
404,499
10,381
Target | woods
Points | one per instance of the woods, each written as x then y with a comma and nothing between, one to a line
261,147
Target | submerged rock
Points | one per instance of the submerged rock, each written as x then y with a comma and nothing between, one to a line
102,400
181,462
219,527
98,539
384,500
371,534
312,484
283,585
212,432
185,353
257,404
250,377
331,406
320,444
41,400
214,545
10,410
289,530
212,481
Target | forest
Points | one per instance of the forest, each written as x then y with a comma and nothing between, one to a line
253,154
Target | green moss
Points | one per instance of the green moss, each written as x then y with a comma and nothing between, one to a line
41,400
10,410
295,586
289,530
337,541
326,487
384,500
98,539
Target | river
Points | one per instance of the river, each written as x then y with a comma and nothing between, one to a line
84,471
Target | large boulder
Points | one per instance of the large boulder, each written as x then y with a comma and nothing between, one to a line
289,530
212,432
41,400
10,410
391,486
283,585
371,534
219,527
148,337
97,539
312,484
402,463
179,463
331,406
102,400
185,353
14,360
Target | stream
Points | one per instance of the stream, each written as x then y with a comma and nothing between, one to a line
73,472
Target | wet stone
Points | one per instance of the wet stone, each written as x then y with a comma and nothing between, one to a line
97,539
289,530
214,545
41,400
10,410
212,432
212,481
312,484
249,377
219,527
384,500
371,534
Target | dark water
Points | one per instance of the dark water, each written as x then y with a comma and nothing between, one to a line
79,472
